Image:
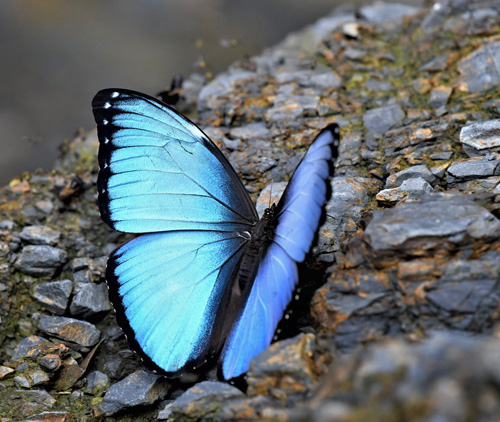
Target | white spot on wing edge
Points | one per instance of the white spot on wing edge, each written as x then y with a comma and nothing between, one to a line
107,105
115,94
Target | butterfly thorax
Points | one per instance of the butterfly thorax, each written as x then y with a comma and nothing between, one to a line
260,238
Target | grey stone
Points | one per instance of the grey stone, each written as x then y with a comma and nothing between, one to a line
40,235
50,362
472,169
410,173
381,12
442,155
331,411
46,207
37,396
97,382
440,170
89,300
38,377
439,97
54,295
467,286
325,80
481,69
22,381
204,398
257,130
285,357
343,213
355,54
40,260
409,189
376,85
139,388
432,220
379,120
437,64
7,225
28,347
87,270
326,25
165,412
440,11
481,138
69,329
214,94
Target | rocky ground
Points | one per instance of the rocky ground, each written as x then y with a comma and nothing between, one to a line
403,321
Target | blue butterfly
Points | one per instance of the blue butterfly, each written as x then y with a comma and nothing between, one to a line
205,276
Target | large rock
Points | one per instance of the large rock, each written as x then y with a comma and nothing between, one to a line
436,221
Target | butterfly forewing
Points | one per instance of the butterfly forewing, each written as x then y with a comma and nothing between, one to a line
159,172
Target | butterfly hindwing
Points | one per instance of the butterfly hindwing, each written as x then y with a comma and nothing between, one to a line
254,329
299,210
296,221
166,289
160,172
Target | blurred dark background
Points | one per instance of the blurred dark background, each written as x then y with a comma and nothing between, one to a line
56,54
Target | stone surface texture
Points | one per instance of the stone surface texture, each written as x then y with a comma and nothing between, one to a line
396,317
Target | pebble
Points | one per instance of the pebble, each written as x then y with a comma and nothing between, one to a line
54,295
40,260
343,213
479,70
472,169
210,96
6,225
409,189
139,388
286,356
38,377
22,382
437,64
46,207
379,120
40,235
205,398
440,96
89,300
80,332
418,171
481,138
28,347
4,371
97,382
50,362
381,12
469,287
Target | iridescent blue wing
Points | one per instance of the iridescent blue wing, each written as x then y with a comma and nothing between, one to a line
299,210
296,220
166,289
160,172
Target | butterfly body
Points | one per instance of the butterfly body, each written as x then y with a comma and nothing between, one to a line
205,275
